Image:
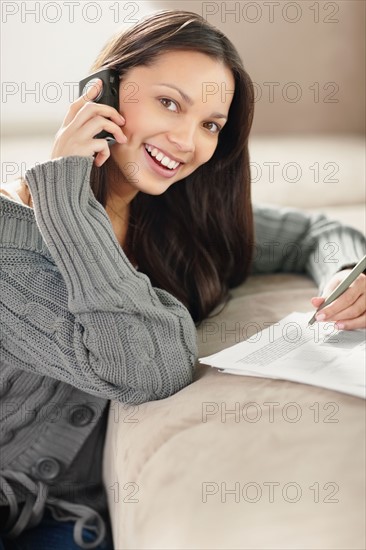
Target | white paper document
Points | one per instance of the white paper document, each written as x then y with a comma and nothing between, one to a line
319,354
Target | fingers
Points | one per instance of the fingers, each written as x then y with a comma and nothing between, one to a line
98,123
101,151
348,311
102,155
351,312
347,299
91,110
91,93
85,120
84,107
317,301
352,324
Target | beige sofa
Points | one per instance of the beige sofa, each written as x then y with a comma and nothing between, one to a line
236,462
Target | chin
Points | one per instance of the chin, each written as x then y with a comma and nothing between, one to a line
156,188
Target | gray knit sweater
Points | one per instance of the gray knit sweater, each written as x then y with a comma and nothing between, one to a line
81,326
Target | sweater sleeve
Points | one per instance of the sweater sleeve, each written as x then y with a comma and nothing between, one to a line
292,240
94,322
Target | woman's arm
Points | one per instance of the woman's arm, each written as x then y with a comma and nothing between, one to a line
94,322
291,240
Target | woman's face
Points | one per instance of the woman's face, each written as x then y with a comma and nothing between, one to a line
184,129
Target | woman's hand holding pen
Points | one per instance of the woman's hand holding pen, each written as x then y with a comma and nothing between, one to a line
349,309
84,120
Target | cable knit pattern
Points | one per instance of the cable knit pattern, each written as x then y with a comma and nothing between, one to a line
76,317
81,326
94,322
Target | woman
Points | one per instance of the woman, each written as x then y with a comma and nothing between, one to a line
109,272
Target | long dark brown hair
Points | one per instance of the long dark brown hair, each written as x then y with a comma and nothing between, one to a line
196,239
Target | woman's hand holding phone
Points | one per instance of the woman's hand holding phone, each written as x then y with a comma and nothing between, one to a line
84,120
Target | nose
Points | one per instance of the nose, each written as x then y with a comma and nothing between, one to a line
182,137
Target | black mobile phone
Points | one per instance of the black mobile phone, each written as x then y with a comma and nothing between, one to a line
109,94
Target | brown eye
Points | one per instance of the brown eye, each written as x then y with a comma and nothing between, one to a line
218,127
168,101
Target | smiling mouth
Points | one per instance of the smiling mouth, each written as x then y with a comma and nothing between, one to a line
158,168
160,159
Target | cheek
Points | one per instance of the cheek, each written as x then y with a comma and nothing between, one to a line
206,151
131,109
140,121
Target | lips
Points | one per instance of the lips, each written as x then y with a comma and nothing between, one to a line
171,157
158,169
161,160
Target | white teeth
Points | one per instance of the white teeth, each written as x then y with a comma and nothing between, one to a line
163,159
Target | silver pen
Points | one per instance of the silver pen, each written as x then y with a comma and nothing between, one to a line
342,287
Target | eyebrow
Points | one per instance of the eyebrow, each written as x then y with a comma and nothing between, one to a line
188,99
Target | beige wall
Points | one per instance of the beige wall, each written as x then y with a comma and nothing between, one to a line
274,50
304,52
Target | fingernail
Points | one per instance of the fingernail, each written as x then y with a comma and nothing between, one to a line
320,317
340,326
